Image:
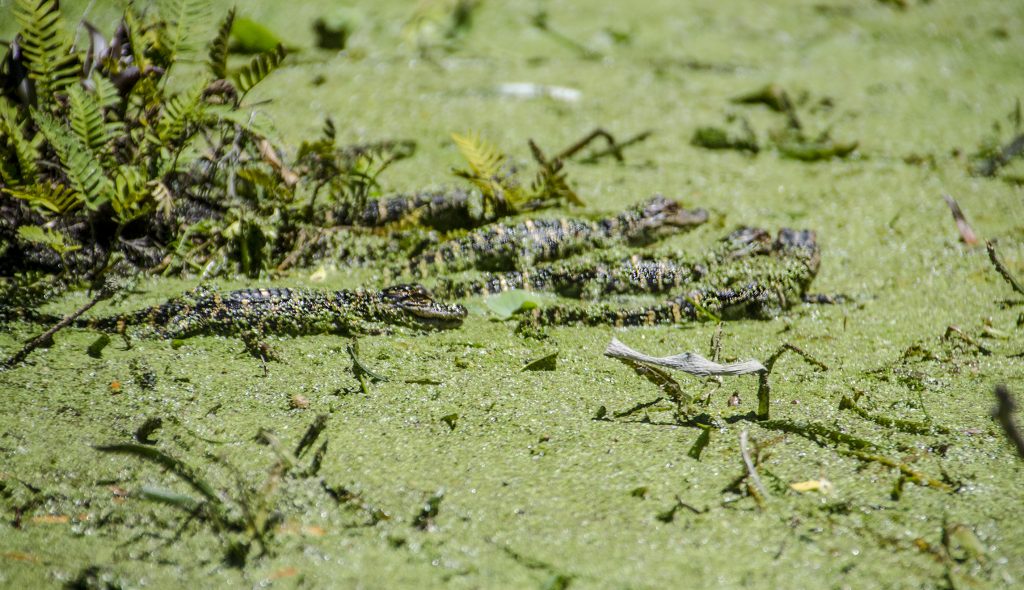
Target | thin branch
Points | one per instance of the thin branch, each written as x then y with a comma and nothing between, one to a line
1001,269
47,336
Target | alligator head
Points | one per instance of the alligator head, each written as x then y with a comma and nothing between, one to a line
664,215
416,307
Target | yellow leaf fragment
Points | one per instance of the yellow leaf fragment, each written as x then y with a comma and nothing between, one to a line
822,485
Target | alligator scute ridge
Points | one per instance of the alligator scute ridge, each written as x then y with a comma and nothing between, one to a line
285,311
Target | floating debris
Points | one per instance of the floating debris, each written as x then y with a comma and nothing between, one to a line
822,485
529,90
688,362
966,231
545,363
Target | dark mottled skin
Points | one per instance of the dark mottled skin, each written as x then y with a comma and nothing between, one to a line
751,287
721,267
440,210
509,247
287,311
754,300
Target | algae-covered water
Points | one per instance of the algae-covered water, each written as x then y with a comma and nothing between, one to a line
463,470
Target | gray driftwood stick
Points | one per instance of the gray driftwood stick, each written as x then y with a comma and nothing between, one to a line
688,362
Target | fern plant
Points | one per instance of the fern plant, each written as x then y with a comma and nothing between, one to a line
490,172
96,150
126,149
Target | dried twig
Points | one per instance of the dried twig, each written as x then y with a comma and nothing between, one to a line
755,480
1001,268
952,331
614,148
47,336
989,166
1003,413
966,232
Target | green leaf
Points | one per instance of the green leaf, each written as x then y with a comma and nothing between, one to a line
544,363
219,47
175,466
48,237
95,349
451,420
171,498
506,304
251,37
258,69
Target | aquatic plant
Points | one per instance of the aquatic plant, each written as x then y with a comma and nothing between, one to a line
103,161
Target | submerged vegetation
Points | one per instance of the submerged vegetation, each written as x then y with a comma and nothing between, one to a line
488,443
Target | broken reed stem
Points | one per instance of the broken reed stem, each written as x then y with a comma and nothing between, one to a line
1003,414
764,388
1001,269
47,336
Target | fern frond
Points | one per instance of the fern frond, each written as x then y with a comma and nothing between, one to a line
178,111
46,46
83,171
26,151
258,69
140,42
219,47
56,197
552,184
106,93
131,196
87,121
162,198
484,159
182,17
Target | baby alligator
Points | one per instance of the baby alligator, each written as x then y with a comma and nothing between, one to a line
509,247
754,300
440,210
742,290
743,255
286,311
